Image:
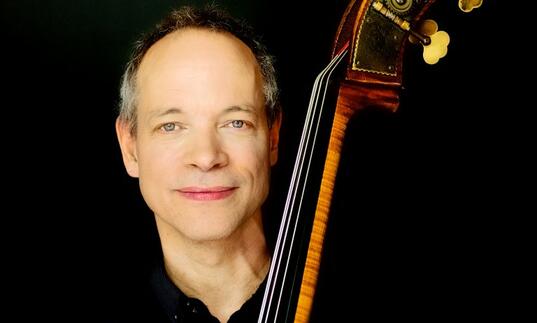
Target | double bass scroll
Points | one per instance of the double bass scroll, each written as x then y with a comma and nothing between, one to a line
373,78
367,67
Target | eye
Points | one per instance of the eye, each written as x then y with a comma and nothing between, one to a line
237,124
168,127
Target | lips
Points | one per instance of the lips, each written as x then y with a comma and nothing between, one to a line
207,193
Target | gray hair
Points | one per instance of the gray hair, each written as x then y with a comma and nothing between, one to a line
210,18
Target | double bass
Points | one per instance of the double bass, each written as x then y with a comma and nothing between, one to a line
365,74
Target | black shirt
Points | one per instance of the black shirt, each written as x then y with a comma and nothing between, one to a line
160,301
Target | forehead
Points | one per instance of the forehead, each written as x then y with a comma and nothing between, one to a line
201,65
198,42
192,50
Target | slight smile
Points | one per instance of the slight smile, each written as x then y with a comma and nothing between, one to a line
207,193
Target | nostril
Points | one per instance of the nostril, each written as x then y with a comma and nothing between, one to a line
207,156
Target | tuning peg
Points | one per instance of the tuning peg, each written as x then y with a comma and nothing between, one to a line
434,42
469,5
437,49
439,40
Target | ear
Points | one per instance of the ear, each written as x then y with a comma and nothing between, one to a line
275,138
127,143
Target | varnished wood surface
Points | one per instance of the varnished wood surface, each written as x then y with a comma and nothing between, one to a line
351,98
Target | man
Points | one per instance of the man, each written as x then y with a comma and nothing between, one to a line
198,126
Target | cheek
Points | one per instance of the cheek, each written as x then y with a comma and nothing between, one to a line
256,162
156,161
250,152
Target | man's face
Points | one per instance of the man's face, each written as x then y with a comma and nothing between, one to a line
203,149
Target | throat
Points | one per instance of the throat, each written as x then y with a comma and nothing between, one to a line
227,292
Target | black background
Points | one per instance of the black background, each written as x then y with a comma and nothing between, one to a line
409,228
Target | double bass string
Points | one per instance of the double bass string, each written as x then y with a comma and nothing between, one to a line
284,242
284,225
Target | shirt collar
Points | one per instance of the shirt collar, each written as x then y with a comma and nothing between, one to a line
175,303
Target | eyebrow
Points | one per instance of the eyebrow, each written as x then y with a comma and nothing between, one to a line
239,108
175,110
158,114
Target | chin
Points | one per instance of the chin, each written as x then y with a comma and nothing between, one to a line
210,231
208,235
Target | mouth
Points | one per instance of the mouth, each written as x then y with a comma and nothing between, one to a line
207,193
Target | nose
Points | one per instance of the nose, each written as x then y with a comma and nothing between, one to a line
205,152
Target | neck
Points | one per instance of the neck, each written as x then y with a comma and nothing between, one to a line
222,273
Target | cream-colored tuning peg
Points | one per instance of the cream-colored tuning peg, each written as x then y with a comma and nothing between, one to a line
469,5
438,41
437,49
428,27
